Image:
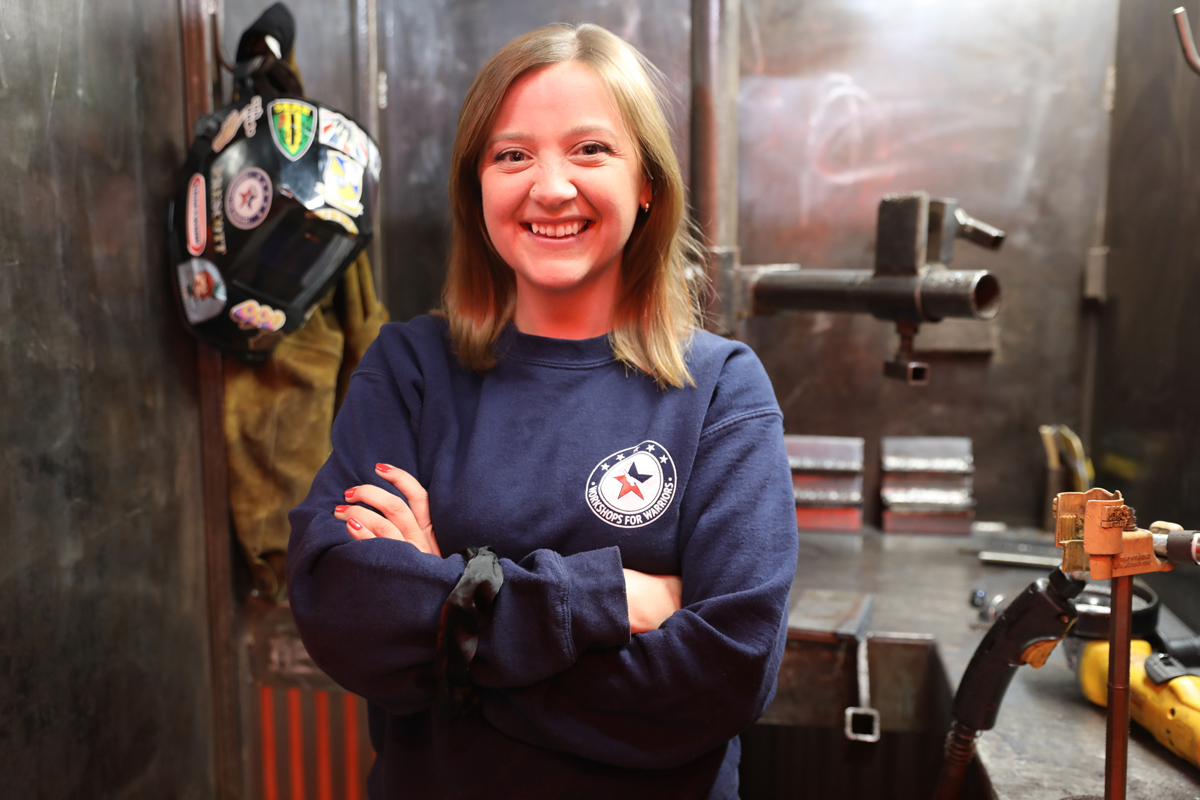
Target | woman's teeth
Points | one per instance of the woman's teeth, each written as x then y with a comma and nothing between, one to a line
556,231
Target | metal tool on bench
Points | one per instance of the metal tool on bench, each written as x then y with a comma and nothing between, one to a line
823,615
862,721
912,283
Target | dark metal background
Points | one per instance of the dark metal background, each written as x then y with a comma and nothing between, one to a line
999,103
1148,377
104,668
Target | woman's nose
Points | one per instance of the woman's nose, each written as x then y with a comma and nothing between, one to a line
553,186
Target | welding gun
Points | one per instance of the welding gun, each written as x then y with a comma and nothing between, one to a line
1164,697
1025,633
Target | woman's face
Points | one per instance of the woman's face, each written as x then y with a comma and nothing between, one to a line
561,183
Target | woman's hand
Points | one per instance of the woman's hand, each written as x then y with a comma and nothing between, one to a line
406,521
651,599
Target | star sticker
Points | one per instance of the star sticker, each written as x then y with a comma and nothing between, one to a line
627,487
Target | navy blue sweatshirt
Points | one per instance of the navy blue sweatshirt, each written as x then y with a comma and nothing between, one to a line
570,466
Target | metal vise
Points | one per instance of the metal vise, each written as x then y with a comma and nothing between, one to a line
912,282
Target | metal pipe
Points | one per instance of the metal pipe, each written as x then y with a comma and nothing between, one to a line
1185,39
713,184
1117,733
928,297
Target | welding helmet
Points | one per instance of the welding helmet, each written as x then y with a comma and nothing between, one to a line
277,199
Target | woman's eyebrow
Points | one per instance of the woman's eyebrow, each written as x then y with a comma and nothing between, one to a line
579,130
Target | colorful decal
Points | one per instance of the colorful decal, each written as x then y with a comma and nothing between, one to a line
202,290
246,118
250,314
292,126
248,198
343,183
196,227
333,215
218,213
342,134
632,487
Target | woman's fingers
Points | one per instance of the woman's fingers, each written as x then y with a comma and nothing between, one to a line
411,488
363,523
399,514
387,504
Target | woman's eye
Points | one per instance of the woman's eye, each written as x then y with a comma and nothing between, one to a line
593,149
510,157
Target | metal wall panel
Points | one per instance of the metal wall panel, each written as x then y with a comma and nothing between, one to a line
1148,377
103,639
999,103
431,52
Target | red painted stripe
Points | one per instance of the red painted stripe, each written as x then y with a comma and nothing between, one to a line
324,767
295,744
350,721
266,722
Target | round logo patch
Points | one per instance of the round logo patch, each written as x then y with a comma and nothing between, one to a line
248,198
632,487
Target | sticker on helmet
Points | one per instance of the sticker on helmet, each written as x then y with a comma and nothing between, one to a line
218,214
343,183
333,215
202,290
196,212
342,134
246,118
248,198
292,126
250,314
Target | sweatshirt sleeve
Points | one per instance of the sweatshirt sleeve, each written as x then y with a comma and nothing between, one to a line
368,611
709,671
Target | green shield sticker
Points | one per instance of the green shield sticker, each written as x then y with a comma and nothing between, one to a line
293,124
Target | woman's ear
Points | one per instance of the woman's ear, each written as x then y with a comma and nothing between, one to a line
646,193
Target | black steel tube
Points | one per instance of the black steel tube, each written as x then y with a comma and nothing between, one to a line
919,298
1117,734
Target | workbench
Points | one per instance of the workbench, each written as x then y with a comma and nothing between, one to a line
1048,743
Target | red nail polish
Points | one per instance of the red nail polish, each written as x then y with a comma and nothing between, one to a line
355,524
383,468
350,493
341,509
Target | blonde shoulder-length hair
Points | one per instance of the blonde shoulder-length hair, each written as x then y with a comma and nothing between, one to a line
657,309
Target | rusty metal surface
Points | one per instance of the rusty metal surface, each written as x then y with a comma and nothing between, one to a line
104,668
998,103
1049,741
431,53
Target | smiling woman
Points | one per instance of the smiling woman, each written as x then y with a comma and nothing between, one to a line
554,541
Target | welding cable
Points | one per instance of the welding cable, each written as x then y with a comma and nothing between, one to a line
458,630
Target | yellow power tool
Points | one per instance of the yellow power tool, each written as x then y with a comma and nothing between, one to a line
1163,697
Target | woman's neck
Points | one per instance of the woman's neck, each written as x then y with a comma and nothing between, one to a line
583,312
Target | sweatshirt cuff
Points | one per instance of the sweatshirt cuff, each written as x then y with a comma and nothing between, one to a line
597,604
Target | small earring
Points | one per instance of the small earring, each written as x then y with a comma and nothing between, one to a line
646,207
